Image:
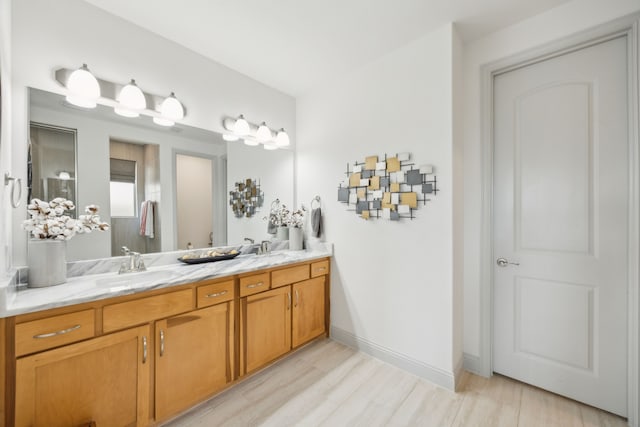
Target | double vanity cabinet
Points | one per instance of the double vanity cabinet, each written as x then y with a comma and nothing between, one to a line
141,359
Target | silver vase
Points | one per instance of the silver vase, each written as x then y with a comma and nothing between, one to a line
47,260
295,239
282,233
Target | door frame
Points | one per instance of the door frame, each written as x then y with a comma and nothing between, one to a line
628,26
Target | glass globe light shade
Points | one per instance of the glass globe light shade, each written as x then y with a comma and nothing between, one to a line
229,137
171,108
83,88
163,122
264,133
282,139
130,100
251,142
241,127
270,146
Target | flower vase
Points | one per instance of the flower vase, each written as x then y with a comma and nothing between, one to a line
295,239
282,233
47,261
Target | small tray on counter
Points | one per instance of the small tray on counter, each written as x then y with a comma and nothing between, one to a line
200,260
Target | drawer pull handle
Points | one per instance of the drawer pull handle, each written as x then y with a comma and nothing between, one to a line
144,349
322,268
255,285
161,343
56,333
217,294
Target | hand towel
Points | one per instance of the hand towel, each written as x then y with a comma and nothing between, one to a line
143,218
149,222
316,222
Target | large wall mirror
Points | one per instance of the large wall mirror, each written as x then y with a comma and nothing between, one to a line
146,179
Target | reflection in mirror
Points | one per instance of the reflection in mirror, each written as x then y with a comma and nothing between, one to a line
194,209
53,163
101,139
134,191
98,128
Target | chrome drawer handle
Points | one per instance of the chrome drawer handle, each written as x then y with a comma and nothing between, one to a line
144,349
322,268
217,294
53,334
161,343
255,285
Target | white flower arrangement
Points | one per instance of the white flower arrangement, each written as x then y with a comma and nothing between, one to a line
48,220
283,217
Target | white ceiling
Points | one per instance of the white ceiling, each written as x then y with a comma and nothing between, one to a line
293,44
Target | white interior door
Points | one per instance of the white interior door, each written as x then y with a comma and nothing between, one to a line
561,179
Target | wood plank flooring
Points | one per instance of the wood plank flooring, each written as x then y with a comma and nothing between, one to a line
329,384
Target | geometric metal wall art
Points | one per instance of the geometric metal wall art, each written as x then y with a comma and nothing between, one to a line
387,187
246,198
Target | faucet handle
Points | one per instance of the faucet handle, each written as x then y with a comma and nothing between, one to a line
125,250
139,263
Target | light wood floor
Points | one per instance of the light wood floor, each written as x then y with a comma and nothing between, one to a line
328,384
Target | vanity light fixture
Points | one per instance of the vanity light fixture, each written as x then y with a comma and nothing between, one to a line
130,101
83,88
64,175
282,139
263,133
241,127
252,134
171,111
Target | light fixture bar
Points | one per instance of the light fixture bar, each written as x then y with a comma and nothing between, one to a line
110,90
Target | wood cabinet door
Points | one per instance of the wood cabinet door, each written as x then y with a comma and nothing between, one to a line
308,310
194,357
266,327
104,380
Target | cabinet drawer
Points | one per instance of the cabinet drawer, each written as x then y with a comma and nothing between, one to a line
43,334
319,268
131,313
215,293
250,285
289,275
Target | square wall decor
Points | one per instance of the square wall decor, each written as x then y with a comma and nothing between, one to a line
387,187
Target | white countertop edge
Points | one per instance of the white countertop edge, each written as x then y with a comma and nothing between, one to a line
84,289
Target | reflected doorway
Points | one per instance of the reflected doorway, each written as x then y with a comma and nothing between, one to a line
194,201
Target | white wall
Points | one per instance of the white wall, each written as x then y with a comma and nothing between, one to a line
392,282
50,35
93,172
274,171
5,132
555,24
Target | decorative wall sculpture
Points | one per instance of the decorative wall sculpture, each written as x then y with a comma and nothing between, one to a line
246,198
387,187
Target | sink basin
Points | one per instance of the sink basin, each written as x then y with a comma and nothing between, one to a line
127,280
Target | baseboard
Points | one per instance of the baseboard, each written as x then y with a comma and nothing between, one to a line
430,373
472,364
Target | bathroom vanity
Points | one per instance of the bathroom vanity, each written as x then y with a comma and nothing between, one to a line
122,351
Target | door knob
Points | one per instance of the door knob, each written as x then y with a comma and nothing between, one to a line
502,262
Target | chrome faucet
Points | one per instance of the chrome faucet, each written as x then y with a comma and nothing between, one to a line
250,240
265,248
134,263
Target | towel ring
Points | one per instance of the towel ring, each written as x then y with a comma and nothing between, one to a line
15,182
315,199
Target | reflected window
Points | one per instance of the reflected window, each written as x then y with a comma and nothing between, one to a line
123,188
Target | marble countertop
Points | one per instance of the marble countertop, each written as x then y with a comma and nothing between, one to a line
92,287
